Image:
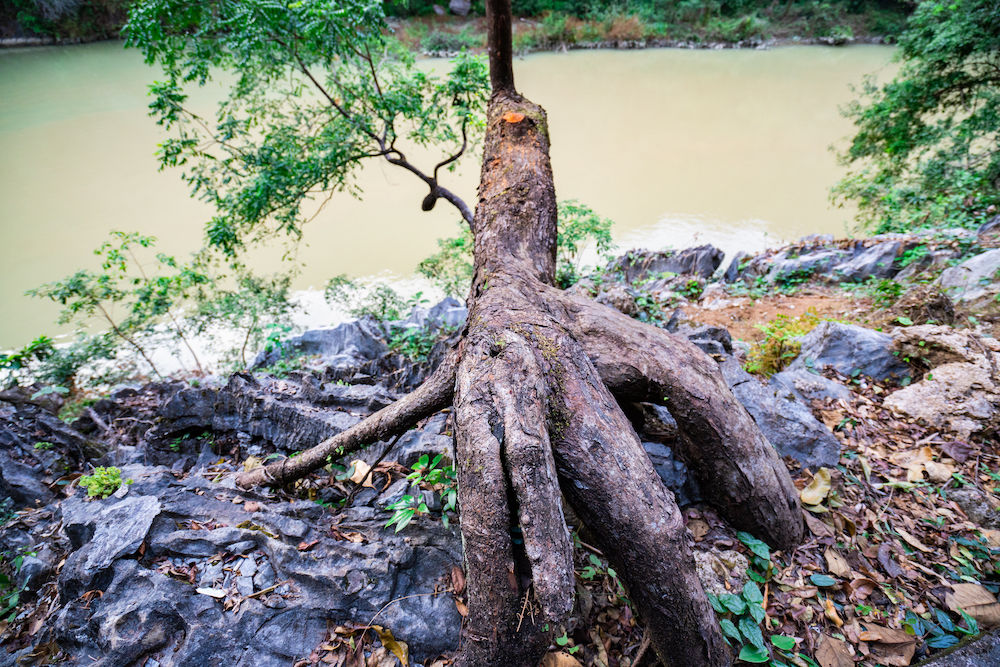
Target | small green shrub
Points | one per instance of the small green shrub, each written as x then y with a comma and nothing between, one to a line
789,281
416,343
103,482
780,345
43,446
693,289
11,563
451,42
430,475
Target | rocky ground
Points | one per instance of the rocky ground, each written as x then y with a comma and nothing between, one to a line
874,374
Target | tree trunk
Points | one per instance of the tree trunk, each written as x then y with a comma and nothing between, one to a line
536,382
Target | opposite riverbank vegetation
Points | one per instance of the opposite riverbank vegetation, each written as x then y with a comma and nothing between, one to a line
434,29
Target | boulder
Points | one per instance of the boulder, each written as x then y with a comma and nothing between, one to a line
975,283
732,273
798,265
988,234
35,448
787,424
283,414
638,265
961,392
619,297
848,348
460,7
712,340
934,345
449,312
119,529
345,346
877,261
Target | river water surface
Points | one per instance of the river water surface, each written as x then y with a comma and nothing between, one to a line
676,146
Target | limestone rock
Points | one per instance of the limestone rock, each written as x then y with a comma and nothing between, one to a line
787,424
974,283
846,348
959,397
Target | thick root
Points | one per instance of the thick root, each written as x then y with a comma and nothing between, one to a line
611,485
507,480
433,395
738,470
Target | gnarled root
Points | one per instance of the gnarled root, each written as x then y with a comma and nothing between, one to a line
738,471
433,395
507,478
523,381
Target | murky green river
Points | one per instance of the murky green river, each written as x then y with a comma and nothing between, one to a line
729,147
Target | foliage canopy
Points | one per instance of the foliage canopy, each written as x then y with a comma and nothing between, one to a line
313,89
926,149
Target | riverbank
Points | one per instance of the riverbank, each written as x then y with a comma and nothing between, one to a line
870,365
448,33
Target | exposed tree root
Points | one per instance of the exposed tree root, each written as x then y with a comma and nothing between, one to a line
433,395
738,471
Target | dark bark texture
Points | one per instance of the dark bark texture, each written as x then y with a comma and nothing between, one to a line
537,380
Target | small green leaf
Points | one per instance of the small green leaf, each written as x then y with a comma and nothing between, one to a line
730,631
733,603
783,642
716,604
905,321
754,654
751,593
822,580
750,630
757,547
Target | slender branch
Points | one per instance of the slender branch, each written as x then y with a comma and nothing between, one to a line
121,334
465,142
170,314
400,160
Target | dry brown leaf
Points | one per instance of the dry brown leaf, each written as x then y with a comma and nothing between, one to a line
818,488
361,476
860,588
831,612
559,659
251,463
836,564
939,472
977,602
463,609
251,506
698,529
817,527
913,541
833,653
398,648
457,580
890,647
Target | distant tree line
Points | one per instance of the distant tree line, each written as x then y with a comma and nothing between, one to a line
97,19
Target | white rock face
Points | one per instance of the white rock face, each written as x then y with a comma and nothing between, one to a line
974,282
961,393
